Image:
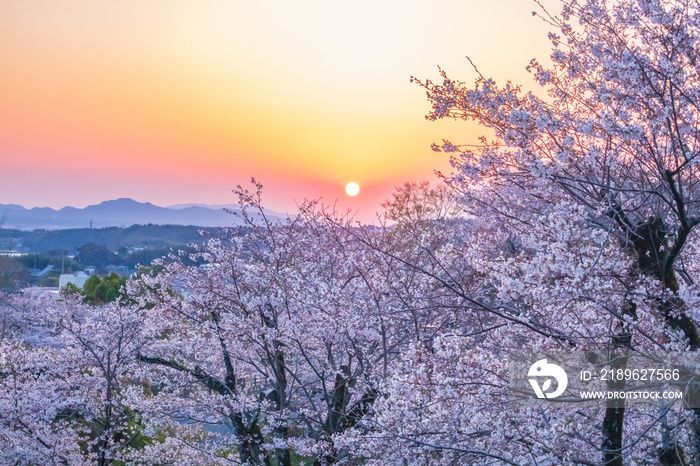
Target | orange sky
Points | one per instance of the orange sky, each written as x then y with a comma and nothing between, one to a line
177,101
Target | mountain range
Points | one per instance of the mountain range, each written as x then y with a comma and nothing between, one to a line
122,212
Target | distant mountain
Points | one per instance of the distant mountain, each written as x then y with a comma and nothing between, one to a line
233,207
208,206
120,213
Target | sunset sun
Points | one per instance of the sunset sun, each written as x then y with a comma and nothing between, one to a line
352,189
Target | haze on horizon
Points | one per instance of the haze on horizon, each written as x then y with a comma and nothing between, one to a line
178,102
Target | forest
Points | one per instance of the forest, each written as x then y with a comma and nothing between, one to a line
319,340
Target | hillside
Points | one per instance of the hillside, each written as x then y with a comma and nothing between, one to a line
147,236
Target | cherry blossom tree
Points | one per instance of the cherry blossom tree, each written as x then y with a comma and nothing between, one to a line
71,389
62,373
594,189
446,400
278,341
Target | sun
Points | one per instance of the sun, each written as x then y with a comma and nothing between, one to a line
352,189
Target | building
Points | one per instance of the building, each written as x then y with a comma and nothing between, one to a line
78,279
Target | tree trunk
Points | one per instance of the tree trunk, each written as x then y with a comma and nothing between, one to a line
613,422
278,396
656,258
612,436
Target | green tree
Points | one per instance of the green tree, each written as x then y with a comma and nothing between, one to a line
106,290
94,254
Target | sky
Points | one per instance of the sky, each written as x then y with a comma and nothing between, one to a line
179,101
